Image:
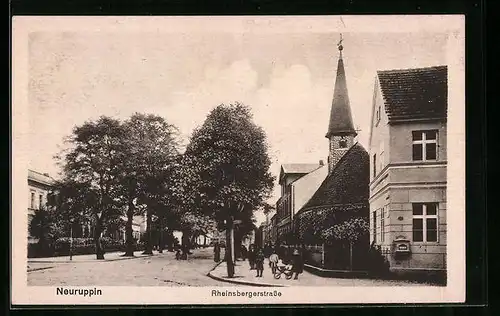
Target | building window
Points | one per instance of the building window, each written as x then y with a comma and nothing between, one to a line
342,143
382,225
40,201
32,203
425,222
374,165
374,226
424,145
378,114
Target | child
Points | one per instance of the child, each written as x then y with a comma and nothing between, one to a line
273,261
259,262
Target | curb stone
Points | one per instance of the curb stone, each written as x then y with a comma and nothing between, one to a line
93,260
38,269
242,282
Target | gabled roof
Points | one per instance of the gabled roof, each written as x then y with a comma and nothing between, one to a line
420,93
299,167
340,114
348,183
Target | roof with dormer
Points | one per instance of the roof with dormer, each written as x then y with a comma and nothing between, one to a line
418,93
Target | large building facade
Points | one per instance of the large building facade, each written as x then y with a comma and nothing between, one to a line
408,168
40,185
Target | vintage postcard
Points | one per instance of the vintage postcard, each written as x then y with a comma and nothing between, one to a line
238,160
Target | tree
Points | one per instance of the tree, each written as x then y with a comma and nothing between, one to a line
230,163
350,230
92,174
42,227
151,147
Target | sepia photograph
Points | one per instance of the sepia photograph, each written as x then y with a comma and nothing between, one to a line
240,159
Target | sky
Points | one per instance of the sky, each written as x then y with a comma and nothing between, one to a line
287,78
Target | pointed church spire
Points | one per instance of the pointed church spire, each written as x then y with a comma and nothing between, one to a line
340,115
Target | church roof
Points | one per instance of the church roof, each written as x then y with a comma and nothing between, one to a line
340,114
419,93
348,183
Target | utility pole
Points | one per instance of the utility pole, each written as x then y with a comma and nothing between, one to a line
71,240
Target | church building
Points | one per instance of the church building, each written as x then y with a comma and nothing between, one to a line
334,222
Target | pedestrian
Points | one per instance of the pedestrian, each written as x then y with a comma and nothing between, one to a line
251,256
259,261
273,261
267,250
297,263
243,252
216,252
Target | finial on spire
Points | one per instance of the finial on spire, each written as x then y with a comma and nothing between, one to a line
339,45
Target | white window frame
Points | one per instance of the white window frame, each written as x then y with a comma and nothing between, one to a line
40,201
424,218
424,142
32,199
378,114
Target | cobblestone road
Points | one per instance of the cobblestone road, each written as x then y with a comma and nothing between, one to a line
158,270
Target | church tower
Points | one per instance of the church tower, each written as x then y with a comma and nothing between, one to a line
341,132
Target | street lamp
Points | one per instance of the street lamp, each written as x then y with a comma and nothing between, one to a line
71,239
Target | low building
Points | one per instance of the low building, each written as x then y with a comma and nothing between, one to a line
274,229
408,168
268,228
298,183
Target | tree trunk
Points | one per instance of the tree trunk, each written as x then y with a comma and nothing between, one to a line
99,251
161,242
229,248
149,230
185,245
237,243
129,252
170,241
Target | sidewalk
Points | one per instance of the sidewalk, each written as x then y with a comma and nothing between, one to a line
109,256
243,275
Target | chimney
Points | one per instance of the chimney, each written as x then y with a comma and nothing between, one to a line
321,163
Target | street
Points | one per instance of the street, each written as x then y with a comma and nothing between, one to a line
158,270
164,270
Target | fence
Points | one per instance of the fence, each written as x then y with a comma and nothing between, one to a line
339,256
